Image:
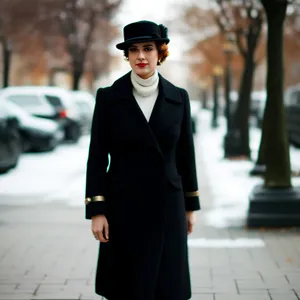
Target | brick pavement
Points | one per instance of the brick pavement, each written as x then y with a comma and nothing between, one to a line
47,252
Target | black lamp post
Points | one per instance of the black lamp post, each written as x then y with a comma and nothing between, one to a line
203,91
7,50
217,72
228,53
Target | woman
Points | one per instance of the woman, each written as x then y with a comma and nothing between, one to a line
142,206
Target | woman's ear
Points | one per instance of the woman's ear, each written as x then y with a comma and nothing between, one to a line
159,58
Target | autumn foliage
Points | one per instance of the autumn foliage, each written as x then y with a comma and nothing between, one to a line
68,36
209,47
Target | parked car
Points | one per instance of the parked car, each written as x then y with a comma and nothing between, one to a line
292,108
85,102
37,134
10,141
52,103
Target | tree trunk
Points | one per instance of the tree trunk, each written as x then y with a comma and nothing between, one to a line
277,155
204,99
215,110
76,79
6,64
241,117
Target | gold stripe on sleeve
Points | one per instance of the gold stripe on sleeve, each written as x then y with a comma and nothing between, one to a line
94,199
191,194
97,198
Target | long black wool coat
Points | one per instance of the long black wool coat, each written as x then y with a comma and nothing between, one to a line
150,184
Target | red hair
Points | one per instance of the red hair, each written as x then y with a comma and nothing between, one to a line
163,52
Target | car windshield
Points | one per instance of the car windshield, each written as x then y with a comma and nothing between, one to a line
24,100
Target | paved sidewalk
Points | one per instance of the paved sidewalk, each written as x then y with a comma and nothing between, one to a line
47,252
233,262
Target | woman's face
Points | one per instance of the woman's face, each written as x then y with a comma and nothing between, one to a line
143,58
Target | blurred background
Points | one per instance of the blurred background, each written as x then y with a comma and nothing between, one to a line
218,53
239,60
55,54
72,43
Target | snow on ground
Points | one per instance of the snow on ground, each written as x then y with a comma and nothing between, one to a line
229,181
39,175
60,175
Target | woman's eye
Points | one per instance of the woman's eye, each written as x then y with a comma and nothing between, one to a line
148,49
132,49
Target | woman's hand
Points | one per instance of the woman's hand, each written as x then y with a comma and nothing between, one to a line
191,221
100,228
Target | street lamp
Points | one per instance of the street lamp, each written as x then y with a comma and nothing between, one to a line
7,50
217,72
228,50
231,138
203,96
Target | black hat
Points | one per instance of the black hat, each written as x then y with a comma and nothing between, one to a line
143,31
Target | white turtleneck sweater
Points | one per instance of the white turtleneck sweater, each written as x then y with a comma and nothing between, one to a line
145,92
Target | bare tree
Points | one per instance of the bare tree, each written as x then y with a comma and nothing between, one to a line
78,22
243,21
240,24
16,21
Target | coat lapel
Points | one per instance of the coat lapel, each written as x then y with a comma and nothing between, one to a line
135,119
162,116
167,109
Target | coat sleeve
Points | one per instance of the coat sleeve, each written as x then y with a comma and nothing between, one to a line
97,160
186,163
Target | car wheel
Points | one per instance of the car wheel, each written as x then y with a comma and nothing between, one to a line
73,133
16,149
52,145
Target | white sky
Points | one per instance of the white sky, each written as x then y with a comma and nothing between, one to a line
159,11
165,12
155,10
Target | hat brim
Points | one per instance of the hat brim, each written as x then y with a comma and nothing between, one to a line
125,45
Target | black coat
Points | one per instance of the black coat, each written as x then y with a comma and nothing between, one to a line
150,184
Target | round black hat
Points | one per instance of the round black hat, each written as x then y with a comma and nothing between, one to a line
143,31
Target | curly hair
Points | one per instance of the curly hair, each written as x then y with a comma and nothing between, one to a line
163,52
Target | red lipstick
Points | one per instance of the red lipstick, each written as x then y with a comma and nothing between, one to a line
141,65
